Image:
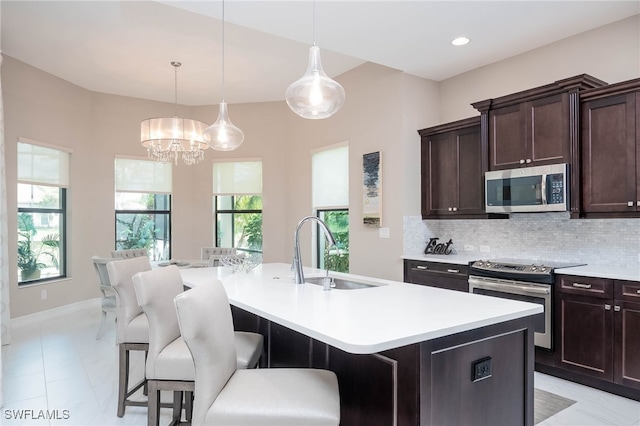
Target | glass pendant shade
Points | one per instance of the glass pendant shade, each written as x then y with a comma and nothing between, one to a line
170,138
223,135
315,95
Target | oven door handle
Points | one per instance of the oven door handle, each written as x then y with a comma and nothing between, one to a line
507,287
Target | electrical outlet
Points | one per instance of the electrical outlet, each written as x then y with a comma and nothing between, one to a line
481,369
383,233
469,247
43,295
485,249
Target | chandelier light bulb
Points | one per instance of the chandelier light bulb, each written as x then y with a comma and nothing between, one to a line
223,135
315,95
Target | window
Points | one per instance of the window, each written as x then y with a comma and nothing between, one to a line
43,178
143,206
330,187
237,204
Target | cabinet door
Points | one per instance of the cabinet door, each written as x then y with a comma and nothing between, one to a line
586,335
547,127
470,177
627,333
507,148
609,154
439,174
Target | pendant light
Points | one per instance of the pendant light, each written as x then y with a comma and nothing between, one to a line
315,95
223,135
170,138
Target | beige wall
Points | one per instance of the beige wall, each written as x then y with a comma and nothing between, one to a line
610,53
384,108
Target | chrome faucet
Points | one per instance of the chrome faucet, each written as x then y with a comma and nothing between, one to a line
297,259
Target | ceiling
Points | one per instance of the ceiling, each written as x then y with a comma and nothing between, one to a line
125,47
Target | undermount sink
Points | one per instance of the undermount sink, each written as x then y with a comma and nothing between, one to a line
339,283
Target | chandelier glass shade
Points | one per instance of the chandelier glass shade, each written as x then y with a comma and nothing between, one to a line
171,138
315,95
223,135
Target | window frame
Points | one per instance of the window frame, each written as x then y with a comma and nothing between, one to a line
62,211
320,234
233,212
146,212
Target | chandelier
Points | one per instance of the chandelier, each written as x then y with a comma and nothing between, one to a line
223,135
170,138
315,95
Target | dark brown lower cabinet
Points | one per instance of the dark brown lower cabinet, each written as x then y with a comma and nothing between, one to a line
427,383
627,334
597,334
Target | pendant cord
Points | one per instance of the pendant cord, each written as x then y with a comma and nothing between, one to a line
175,94
314,22
222,50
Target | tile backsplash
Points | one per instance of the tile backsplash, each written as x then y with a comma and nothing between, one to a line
535,236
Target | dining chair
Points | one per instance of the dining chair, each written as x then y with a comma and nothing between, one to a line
169,364
133,327
108,301
213,254
227,396
129,253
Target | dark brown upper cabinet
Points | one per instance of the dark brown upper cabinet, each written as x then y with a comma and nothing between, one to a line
453,164
537,127
611,150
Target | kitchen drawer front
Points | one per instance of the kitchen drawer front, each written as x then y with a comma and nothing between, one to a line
417,267
627,290
586,286
442,275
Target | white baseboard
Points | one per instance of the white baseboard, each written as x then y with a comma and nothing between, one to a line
38,317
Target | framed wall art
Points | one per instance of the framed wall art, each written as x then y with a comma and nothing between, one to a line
372,189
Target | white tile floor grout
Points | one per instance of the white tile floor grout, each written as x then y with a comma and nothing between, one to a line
55,366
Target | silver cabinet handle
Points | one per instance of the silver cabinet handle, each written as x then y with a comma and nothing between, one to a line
638,291
421,267
616,308
638,203
579,285
450,209
629,203
607,307
521,161
528,160
454,271
455,209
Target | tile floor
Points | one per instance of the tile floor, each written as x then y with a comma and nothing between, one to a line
55,363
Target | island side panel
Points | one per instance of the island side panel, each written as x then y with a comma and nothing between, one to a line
481,377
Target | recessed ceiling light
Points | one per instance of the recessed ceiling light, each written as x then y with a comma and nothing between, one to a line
460,41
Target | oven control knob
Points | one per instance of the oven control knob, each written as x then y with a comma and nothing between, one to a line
533,268
543,269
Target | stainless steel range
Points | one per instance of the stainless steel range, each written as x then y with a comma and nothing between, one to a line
519,279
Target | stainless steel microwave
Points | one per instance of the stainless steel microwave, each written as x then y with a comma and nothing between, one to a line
529,189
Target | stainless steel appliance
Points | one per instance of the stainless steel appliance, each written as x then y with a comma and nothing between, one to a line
519,279
529,189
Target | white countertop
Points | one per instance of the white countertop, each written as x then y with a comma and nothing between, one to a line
370,320
630,273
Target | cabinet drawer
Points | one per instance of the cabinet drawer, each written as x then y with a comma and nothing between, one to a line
627,290
586,286
442,275
417,267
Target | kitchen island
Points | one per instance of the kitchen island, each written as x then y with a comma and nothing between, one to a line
404,354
